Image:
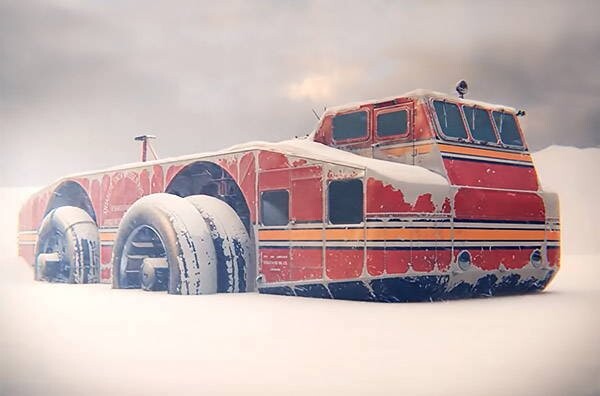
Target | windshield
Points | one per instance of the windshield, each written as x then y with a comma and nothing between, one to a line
454,120
507,128
480,124
450,120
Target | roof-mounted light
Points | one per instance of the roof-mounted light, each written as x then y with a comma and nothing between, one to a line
462,88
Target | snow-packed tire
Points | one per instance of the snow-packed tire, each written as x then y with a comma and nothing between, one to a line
231,241
165,225
67,249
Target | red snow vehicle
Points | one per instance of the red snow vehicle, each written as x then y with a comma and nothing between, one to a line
417,197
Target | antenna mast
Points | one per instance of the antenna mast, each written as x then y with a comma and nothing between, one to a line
145,139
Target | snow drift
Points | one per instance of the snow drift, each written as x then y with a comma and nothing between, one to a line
574,174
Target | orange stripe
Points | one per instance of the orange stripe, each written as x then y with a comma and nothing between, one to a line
421,234
499,235
553,235
28,237
445,148
107,236
420,149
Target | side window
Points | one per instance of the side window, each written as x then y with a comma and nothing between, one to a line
350,126
448,115
345,200
392,123
274,207
507,128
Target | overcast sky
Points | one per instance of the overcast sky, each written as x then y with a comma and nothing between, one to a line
79,79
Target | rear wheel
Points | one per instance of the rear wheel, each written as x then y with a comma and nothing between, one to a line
163,244
67,249
231,241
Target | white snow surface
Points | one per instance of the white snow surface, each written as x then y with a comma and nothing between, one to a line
11,199
92,340
59,339
575,175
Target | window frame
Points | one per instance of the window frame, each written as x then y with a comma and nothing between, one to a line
261,209
523,147
364,138
362,201
387,110
438,126
492,121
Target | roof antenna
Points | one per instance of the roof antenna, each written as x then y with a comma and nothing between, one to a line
316,115
462,88
145,139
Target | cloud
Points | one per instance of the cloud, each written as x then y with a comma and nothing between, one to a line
320,87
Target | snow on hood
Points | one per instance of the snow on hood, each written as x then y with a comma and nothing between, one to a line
385,170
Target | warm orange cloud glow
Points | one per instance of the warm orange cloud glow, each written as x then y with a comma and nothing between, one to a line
318,87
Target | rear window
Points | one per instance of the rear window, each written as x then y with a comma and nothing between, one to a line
350,126
392,123
480,124
449,118
507,128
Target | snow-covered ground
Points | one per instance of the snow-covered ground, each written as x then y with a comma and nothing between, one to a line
92,340
575,175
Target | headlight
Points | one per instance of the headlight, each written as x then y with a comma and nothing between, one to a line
464,260
536,258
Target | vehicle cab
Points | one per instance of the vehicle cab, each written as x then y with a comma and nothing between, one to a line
481,151
471,143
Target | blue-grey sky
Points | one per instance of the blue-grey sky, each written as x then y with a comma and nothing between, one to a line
79,79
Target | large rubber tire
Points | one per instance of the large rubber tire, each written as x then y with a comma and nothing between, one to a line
184,235
232,244
71,233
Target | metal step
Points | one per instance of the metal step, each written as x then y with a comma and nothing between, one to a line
143,244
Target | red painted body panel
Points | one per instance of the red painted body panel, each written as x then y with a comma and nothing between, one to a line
306,197
306,264
274,264
480,204
491,175
343,263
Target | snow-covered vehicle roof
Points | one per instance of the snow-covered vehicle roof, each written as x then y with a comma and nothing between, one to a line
417,94
302,148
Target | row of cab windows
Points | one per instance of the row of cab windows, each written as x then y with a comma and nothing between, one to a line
344,198
355,126
452,119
